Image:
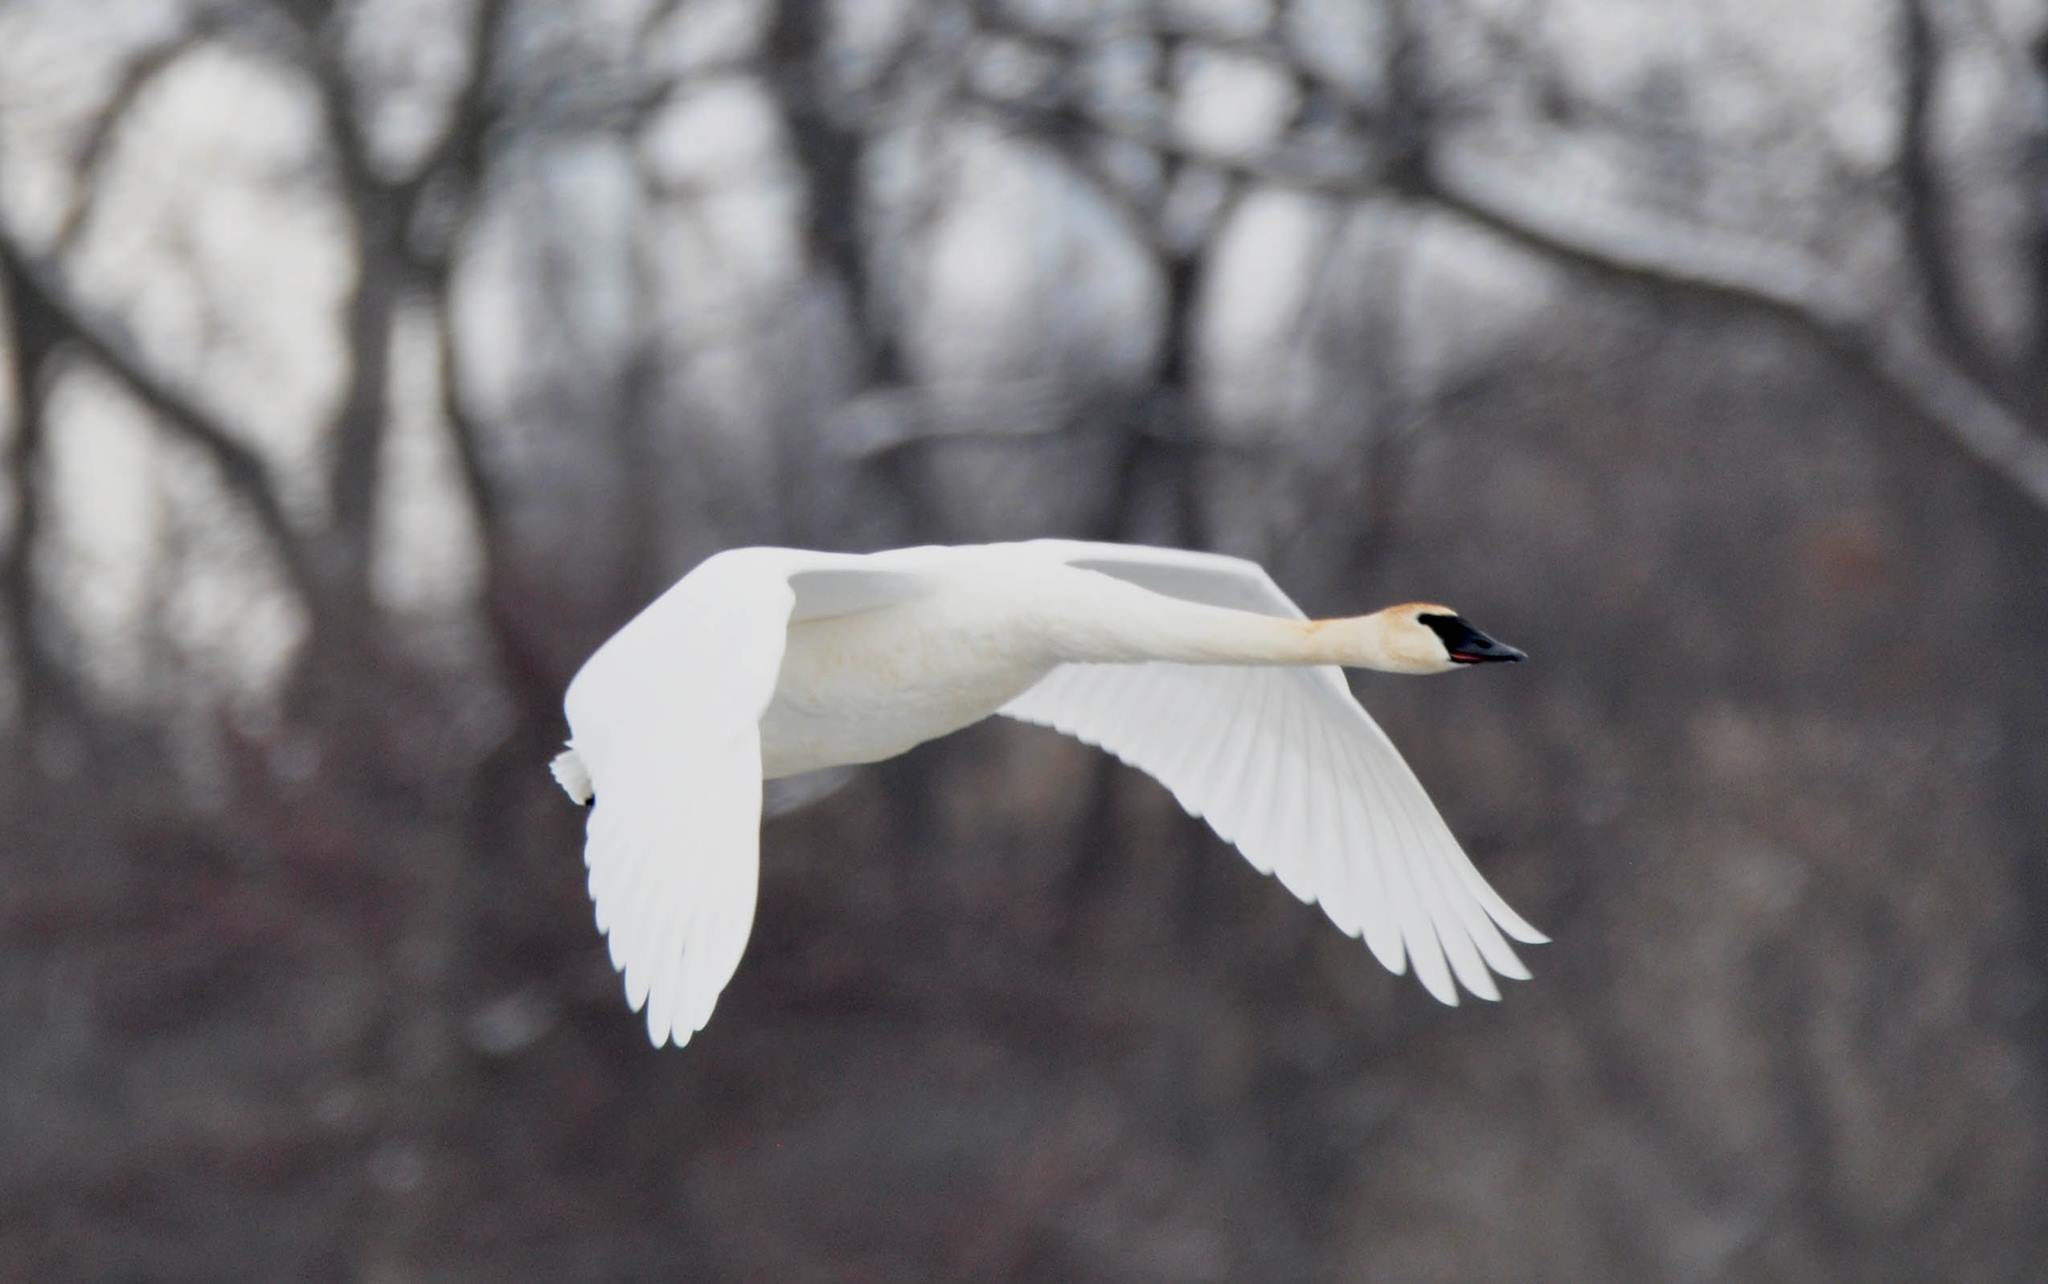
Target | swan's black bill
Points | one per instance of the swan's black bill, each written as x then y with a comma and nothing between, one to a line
1468,645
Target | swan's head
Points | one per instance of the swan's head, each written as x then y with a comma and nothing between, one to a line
1425,637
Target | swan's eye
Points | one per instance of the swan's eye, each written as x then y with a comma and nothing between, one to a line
1451,630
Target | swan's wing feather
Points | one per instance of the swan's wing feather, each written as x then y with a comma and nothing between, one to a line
1284,764
665,726
828,584
1213,578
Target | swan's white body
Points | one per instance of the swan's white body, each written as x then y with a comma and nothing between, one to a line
1192,667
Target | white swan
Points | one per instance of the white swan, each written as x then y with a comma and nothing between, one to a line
1192,667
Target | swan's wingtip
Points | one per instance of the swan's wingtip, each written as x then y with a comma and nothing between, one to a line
1526,934
673,1033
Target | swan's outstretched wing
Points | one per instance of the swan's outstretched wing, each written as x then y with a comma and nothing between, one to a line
1283,763
665,728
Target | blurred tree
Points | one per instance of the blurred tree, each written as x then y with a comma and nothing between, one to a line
367,362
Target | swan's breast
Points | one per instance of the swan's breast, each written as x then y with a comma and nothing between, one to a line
861,688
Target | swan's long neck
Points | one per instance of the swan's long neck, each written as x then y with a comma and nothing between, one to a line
1121,624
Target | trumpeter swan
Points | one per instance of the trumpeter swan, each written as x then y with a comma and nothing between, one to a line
1192,667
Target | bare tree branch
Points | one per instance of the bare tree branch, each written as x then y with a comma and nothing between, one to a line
31,341
240,470
2034,142
1326,171
141,72
360,421
457,164
1783,282
379,214
1925,214
458,156
1320,165
1788,283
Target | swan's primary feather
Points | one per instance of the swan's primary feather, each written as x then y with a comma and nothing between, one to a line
668,723
667,718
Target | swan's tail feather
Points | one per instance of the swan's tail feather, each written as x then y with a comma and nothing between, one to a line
573,777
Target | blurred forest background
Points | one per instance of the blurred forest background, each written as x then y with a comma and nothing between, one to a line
363,364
